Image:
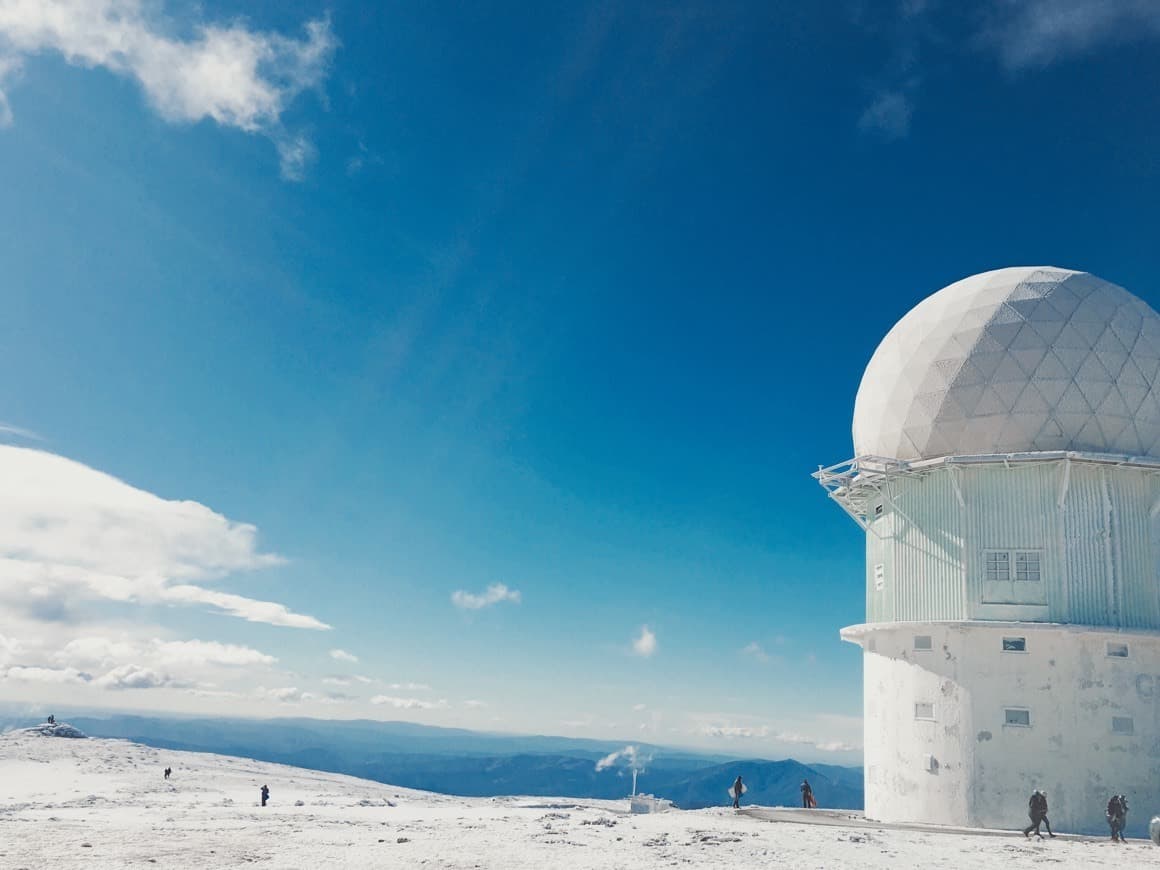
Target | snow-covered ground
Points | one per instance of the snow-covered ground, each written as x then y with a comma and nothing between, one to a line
104,803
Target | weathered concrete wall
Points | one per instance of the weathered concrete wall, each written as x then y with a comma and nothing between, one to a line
964,765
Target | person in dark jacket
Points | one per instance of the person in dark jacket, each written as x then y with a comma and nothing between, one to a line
738,790
265,794
168,771
1117,816
1037,810
807,795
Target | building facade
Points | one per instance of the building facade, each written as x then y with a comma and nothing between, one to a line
1007,476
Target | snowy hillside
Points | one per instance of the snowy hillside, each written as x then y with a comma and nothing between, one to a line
105,804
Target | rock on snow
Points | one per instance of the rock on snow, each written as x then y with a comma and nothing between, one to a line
105,804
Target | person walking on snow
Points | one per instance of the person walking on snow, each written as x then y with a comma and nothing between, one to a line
1117,816
265,794
738,790
808,795
1037,810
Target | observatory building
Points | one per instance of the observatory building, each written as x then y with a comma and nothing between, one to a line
1007,476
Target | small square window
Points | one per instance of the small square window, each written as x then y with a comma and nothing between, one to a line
1027,566
924,710
1014,644
1017,716
879,576
998,566
877,510
1117,650
922,642
1123,725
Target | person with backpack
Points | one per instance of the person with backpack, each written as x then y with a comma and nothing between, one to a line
1037,810
265,794
738,789
1117,814
808,801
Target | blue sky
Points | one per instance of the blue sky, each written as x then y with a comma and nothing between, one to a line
364,306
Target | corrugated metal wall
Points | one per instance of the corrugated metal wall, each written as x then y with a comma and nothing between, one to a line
1099,551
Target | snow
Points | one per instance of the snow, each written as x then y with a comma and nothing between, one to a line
105,804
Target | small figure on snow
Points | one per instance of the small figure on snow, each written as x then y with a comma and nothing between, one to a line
51,719
1117,816
738,789
808,801
1037,810
265,794
168,771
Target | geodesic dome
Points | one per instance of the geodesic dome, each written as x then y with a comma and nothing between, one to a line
1015,360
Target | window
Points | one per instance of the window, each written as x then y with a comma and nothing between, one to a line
922,642
1122,725
879,576
923,710
1117,650
877,510
1014,644
1017,716
1013,577
998,566
1027,566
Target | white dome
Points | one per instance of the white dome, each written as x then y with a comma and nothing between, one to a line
1012,361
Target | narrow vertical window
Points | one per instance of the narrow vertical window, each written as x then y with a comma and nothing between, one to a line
879,577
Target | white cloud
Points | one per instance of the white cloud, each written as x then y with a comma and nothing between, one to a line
639,707
1036,33
755,651
407,703
495,593
226,73
408,687
286,694
474,705
764,732
646,642
136,677
69,534
46,675
341,655
93,651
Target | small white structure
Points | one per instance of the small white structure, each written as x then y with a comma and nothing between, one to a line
1007,475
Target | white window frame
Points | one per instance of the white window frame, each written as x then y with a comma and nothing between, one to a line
927,639
1020,642
879,577
924,711
1008,564
1127,727
1007,723
1117,645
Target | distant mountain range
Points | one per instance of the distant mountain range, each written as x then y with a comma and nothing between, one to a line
476,764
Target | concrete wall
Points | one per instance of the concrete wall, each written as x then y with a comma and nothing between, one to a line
964,766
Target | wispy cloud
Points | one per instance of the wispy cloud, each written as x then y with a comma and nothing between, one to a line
5,428
227,73
494,594
407,703
1023,35
1036,33
645,644
473,704
888,115
70,534
755,651
764,732
341,655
